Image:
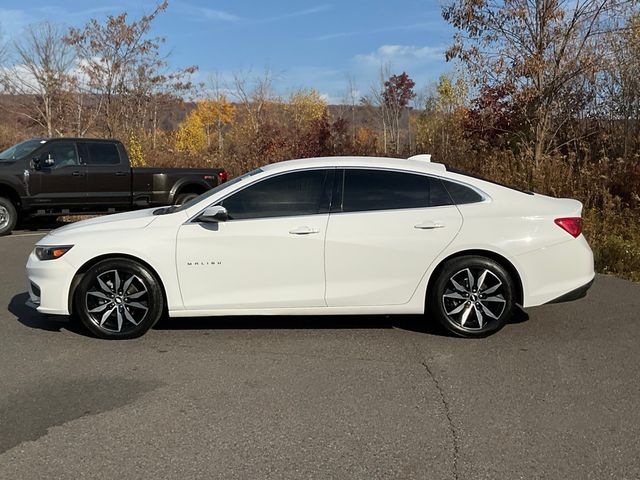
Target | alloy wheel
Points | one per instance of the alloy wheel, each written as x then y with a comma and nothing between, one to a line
4,217
117,301
474,298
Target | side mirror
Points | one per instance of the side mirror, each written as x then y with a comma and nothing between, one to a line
49,162
214,214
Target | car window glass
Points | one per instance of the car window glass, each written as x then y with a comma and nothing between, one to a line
102,154
291,194
462,194
438,195
62,153
386,190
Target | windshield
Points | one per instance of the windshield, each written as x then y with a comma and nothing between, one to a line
20,150
213,191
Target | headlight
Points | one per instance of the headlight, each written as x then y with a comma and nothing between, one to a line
51,253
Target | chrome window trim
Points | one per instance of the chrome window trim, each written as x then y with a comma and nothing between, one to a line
485,197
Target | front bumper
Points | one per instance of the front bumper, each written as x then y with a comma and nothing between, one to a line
48,284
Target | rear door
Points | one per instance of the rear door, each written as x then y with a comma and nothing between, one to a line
60,181
384,234
108,174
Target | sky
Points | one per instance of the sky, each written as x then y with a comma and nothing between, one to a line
304,43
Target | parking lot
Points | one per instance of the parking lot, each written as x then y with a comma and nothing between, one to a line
553,395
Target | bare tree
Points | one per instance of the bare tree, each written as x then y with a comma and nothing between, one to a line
124,72
254,95
40,77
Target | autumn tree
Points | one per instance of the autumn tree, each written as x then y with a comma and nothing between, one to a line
390,98
40,77
544,50
440,125
191,136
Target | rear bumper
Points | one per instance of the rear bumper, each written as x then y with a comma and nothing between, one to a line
564,270
575,294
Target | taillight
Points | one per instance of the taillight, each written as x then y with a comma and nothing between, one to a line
571,225
222,177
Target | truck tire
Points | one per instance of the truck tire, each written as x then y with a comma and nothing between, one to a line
184,198
8,216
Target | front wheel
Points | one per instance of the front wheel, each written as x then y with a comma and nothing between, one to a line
472,297
8,216
118,299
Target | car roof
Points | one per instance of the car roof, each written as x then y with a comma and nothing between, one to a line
356,161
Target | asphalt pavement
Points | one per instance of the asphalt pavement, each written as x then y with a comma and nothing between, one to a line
554,395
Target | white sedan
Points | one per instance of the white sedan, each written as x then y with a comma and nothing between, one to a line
322,236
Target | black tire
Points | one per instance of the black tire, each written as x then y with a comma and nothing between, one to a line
8,216
464,311
109,311
184,198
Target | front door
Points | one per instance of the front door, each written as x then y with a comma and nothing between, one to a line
384,234
60,180
269,254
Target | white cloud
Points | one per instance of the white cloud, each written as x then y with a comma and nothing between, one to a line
401,56
204,14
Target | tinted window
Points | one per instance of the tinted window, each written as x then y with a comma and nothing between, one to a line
461,194
62,153
291,194
102,154
438,195
385,190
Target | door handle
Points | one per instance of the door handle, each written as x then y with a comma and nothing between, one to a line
428,225
304,230
75,174
120,174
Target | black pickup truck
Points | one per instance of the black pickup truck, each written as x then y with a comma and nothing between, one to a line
60,176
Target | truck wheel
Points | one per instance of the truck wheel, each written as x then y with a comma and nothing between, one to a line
8,216
184,198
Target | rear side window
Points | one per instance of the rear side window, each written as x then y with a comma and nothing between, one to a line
102,154
365,190
462,194
291,194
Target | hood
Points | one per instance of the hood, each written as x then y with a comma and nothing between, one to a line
128,220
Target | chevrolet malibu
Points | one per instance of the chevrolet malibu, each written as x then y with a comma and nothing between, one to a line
324,236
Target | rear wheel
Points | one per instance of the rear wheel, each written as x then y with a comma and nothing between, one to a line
472,297
118,299
184,198
8,216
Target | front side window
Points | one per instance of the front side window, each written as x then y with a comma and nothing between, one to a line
102,154
63,154
291,194
366,190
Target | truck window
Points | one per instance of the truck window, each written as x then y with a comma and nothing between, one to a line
62,153
102,154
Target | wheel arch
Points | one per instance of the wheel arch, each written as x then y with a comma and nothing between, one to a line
11,193
112,256
501,259
188,185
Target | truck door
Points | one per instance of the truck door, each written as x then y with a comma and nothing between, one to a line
60,179
108,174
